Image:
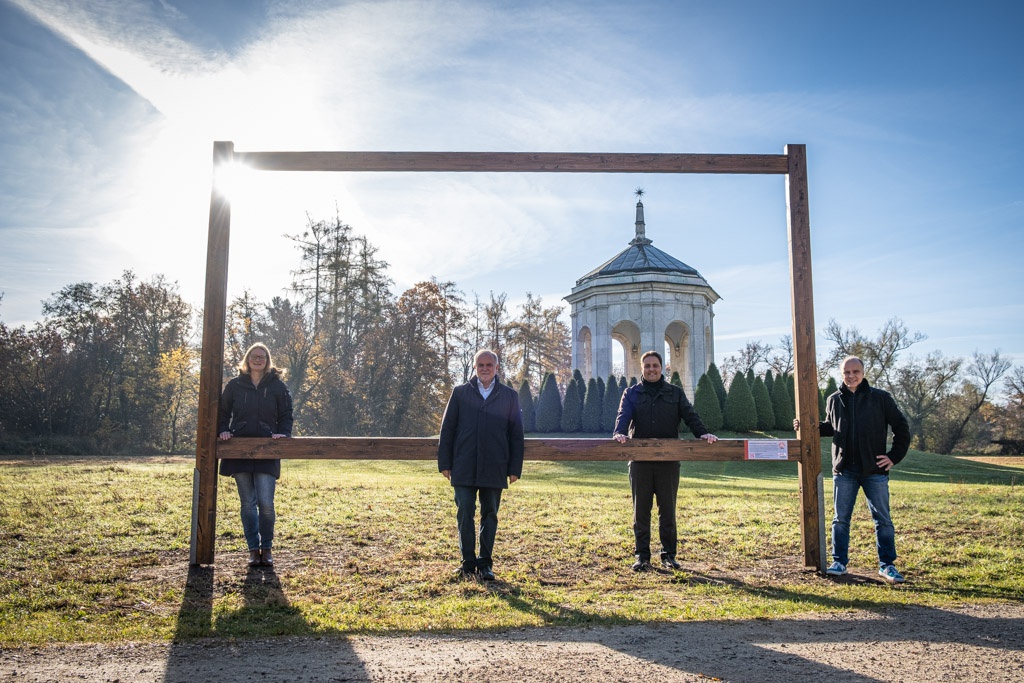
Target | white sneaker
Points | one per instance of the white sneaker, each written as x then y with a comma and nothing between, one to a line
891,574
836,569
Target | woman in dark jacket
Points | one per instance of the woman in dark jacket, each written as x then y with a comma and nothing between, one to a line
256,404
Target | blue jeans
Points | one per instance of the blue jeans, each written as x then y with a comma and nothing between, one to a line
256,493
876,490
465,501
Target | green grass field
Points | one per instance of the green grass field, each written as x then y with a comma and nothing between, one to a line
96,549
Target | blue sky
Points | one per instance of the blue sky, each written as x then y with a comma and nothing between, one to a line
910,112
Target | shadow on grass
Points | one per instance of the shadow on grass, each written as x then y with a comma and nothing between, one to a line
265,612
759,649
756,649
211,645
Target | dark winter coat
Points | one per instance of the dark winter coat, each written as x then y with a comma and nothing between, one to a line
481,441
867,415
652,410
248,410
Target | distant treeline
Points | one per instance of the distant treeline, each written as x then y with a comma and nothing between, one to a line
114,368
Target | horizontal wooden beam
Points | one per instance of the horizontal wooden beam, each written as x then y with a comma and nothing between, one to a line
392,448
515,162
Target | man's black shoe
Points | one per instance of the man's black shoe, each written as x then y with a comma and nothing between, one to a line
463,574
642,566
485,574
669,562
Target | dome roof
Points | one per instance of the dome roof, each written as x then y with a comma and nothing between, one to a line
640,257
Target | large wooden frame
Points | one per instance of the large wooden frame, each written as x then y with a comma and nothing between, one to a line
806,450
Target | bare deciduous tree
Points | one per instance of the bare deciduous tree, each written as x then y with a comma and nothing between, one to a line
879,354
920,386
983,372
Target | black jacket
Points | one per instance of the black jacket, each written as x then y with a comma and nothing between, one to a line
248,410
859,425
653,410
481,441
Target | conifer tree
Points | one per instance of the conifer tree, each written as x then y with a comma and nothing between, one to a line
831,387
610,404
763,404
750,378
740,414
705,402
526,405
678,381
718,384
791,387
572,413
581,390
632,381
600,390
769,380
581,387
591,422
549,406
782,404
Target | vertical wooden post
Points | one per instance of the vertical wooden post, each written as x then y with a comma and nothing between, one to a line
204,481
812,517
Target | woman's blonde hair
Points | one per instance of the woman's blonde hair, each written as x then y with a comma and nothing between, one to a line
243,367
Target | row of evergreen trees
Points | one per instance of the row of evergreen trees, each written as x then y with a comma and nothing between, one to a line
751,403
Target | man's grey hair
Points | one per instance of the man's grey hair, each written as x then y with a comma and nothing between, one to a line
848,359
485,352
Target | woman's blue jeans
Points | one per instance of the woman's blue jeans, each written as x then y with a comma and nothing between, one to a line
465,501
256,493
876,490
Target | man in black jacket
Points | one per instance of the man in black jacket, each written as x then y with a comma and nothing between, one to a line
652,409
480,452
858,418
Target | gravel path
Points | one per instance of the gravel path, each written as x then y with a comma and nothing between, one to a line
974,643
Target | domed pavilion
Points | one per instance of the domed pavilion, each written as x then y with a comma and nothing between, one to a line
644,299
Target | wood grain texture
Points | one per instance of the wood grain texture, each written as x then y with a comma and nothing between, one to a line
204,498
578,450
805,379
514,162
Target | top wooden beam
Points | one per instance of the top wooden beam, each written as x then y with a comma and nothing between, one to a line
515,162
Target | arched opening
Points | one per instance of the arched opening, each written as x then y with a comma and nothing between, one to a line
618,358
584,351
677,353
627,334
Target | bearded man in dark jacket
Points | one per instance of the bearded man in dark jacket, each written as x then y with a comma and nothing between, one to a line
480,452
652,409
858,418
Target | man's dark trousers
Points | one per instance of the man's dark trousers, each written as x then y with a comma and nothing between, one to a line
649,481
465,501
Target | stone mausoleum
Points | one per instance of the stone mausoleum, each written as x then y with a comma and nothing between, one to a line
643,299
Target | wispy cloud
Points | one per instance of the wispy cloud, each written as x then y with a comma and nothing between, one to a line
129,163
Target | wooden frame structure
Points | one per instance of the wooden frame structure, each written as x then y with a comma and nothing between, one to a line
806,450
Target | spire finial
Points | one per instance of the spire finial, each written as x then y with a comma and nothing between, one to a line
641,237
